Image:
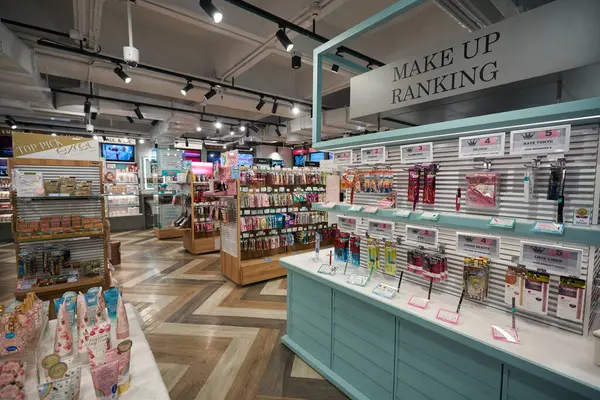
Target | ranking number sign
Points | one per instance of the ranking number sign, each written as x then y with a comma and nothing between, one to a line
555,139
342,157
422,236
552,259
482,146
372,155
347,224
381,229
474,245
416,153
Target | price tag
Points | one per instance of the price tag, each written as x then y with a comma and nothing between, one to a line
329,205
555,139
552,259
418,302
448,316
370,209
385,291
358,280
431,216
342,157
347,224
502,222
416,153
381,229
372,155
476,245
356,207
509,335
482,146
402,213
422,236
327,269
548,227
582,216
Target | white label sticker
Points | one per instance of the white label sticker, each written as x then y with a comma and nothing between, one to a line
381,229
552,259
418,302
555,139
358,280
448,316
372,155
342,157
582,216
347,224
422,236
476,245
402,213
482,146
416,153
385,291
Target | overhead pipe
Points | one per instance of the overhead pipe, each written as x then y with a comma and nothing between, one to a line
298,29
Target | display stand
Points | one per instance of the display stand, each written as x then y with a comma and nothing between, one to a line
251,245
165,170
123,192
5,203
203,235
60,234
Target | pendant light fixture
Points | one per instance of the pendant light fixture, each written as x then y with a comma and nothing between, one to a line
211,10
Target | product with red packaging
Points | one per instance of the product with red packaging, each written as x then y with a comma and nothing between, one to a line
414,185
430,173
482,189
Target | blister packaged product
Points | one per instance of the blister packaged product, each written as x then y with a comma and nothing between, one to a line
483,189
414,185
537,287
571,292
475,277
341,245
390,258
430,174
373,252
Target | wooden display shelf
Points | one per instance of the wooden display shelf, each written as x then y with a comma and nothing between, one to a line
261,269
201,245
169,233
68,236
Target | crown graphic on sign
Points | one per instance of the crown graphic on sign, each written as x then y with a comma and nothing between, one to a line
538,249
472,142
469,238
528,135
415,231
409,150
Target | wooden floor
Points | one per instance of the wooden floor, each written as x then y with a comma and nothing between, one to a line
212,340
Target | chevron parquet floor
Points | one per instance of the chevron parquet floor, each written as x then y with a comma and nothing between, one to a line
212,340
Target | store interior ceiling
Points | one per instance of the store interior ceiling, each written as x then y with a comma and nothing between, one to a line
242,58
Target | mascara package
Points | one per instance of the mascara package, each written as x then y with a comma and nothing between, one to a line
390,258
373,251
355,251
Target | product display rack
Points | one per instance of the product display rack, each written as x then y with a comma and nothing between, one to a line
166,167
203,236
266,220
123,197
60,237
5,209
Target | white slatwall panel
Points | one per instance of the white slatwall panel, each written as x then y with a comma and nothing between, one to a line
229,232
595,300
579,192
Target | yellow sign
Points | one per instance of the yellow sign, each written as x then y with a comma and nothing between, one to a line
34,145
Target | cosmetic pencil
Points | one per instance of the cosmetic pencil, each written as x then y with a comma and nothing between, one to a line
513,313
400,280
329,257
462,296
430,286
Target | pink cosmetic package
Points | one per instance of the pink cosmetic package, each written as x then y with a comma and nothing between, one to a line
122,321
99,343
63,339
105,378
83,322
122,354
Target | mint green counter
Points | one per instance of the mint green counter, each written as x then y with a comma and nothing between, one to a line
374,348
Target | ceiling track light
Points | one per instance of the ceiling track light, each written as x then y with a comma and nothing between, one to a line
154,122
188,86
284,39
242,128
276,149
155,144
218,125
122,74
53,134
141,140
210,93
137,112
87,107
255,129
129,119
198,129
104,138
211,10
277,131
261,103
275,105
10,121
94,115
335,68
187,143
231,132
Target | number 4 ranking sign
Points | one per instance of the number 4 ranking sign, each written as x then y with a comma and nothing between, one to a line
482,146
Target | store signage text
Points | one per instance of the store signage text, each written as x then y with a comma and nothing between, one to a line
372,155
422,236
552,259
481,146
381,229
416,153
555,139
475,245
342,157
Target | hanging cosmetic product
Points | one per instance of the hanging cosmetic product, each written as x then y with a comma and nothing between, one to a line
556,187
482,190
414,183
390,258
429,184
528,185
355,251
571,292
475,277
514,281
458,196
536,292
341,243
414,261
373,251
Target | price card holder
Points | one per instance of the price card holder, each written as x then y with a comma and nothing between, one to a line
402,213
552,259
358,280
548,227
482,146
418,302
477,245
385,291
370,209
507,223
448,316
327,269
356,207
329,205
381,229
430,216
347,224
503,334
422,236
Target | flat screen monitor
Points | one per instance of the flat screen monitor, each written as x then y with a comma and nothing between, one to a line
118,152
317,156
213,156
299,160
6,149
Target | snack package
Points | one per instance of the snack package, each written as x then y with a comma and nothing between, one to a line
63,339
105,378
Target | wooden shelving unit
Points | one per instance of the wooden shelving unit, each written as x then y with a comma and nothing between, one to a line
82,245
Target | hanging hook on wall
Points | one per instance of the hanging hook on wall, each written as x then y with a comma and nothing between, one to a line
560,162
534,163
486,164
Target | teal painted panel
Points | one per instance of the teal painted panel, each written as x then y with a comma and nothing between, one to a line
429,386
369,366
305,339
312,306
406,392
367,347
464,359
369,315
315,317
444,374
521,385
316,334
360,381
312,293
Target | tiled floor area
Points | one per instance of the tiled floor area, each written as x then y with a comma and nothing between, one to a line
211,339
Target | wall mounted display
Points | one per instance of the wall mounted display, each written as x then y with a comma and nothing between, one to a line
422,236
551,258
372,155
114,152
416,153
547,140
343,157
482,146
476,245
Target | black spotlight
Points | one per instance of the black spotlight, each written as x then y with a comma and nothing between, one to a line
261,103
210,93
121,74
137,112
154,122
87,107
94,115
155,144
284,39
188,86
275,105
277,131
187,143
255,129
129,119
12,125
104,137
211,10
335,68
296,60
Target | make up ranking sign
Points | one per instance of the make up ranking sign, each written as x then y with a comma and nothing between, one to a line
555,37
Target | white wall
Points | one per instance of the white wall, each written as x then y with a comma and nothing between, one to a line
285,154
